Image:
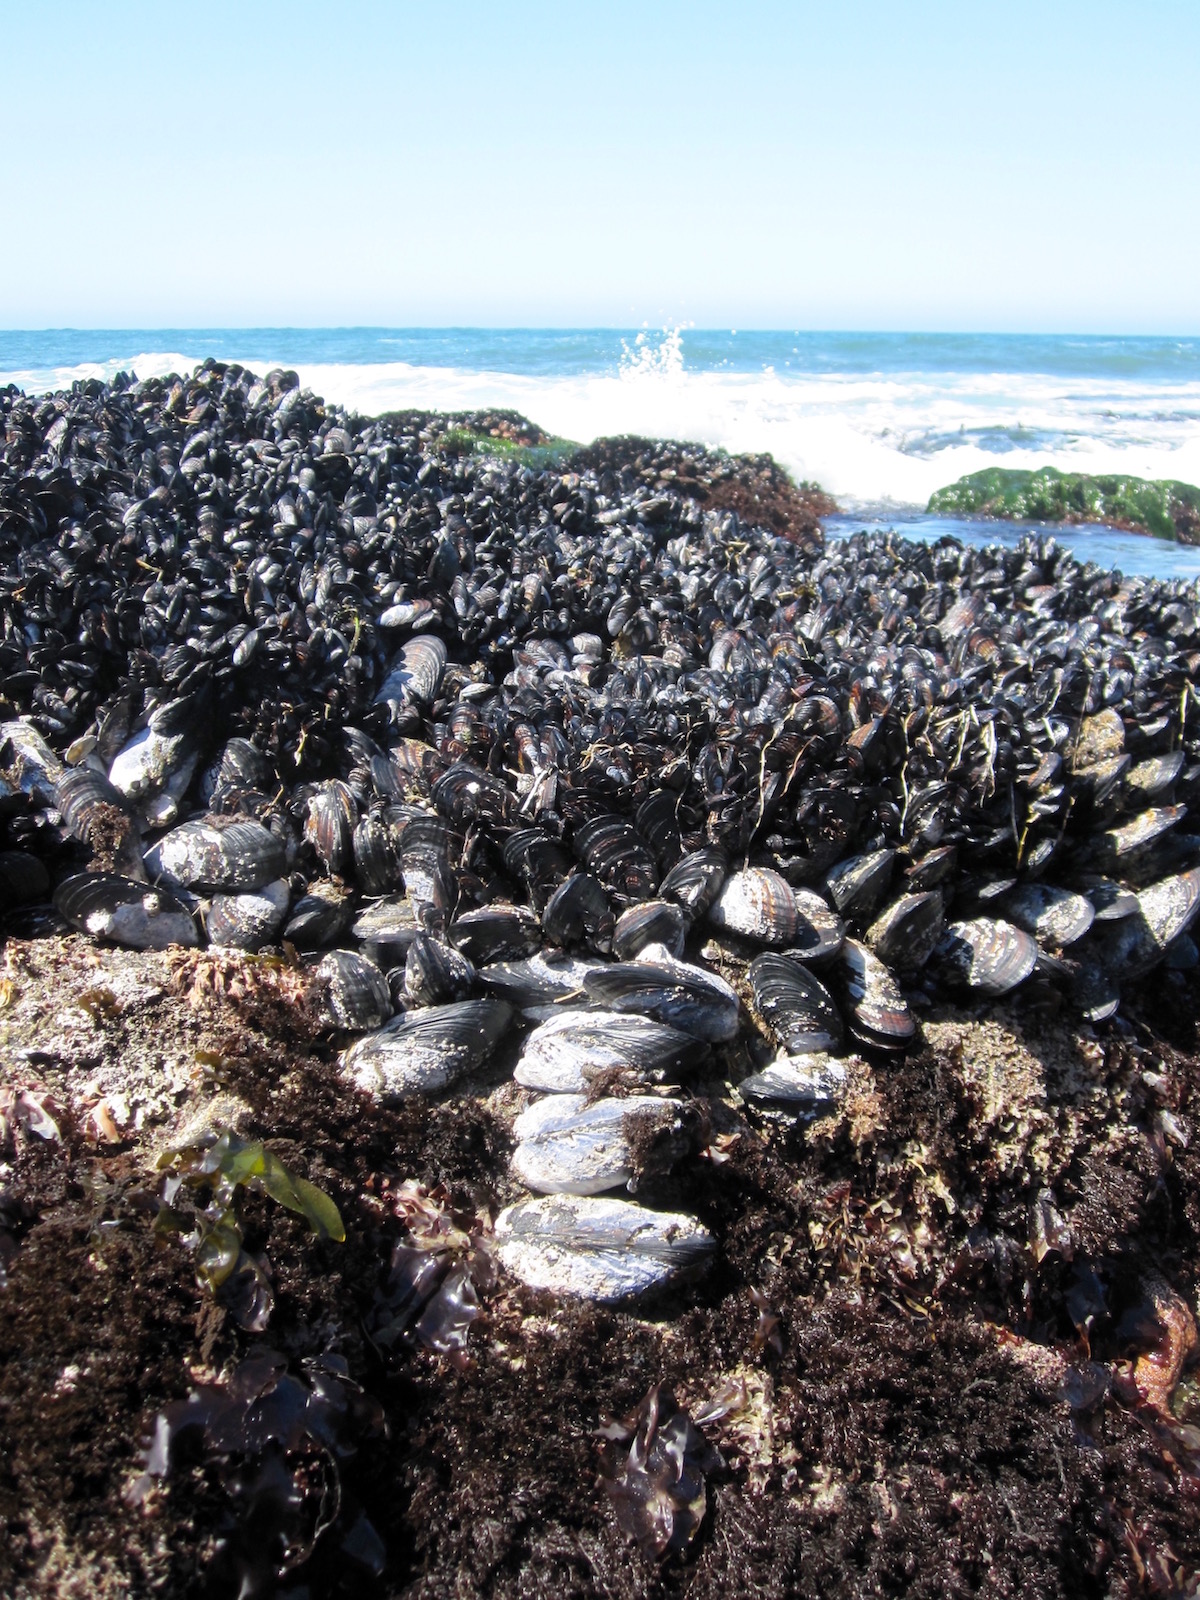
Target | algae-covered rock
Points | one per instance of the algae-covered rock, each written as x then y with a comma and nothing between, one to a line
1165,508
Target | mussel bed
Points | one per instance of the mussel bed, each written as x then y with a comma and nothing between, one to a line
446,712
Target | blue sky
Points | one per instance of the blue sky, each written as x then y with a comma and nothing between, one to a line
860,165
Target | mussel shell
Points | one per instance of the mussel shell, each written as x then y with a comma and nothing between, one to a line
798,1009
390,923
935,867
1054,917
695,880
858,884
651,922
569,1144
1109,900
805,1086
415,673
125,911
423,1052
682,996
466,793
495,933
906,933
1153,777
598,1248
879,1013
819,930
319,917
214,854
578,912
538,983
435,972
988,954
758,904
1115,844
611,849
250,920
376,855
240,766
567,1051
357,993
329,825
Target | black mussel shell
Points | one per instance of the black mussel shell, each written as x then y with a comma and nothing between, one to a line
858,884
610,848
435,973
319,917
376,854
357,993
250,920
214,854
879,1013
23,878
695,880
496,933
651,922
906,933
330,823
578,912
1055,917
758,904
798,1009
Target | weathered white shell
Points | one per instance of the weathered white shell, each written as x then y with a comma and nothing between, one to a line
566,1052
568,1146
596,1247
425,1051
249,921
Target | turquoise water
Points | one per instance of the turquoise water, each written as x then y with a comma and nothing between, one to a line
880,420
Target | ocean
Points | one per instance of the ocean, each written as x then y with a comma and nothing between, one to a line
880,420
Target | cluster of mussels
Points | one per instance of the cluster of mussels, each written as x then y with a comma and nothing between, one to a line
483,740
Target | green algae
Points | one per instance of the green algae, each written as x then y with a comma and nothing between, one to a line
1165,508
554,452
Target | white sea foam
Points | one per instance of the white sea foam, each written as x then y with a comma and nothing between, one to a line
869,439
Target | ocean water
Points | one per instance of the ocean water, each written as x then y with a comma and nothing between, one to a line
879,420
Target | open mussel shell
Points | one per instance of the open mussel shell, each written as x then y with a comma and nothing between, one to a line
130,913
1055,917
578,912
423,1052
435,972
858,884
496,933
879,1013
251,920
356,992
597,1247
758,904
803,1086
905,935
215,854
329,826
568,1051
568,1144
682,996
988,954
651,922
799,1010
695,880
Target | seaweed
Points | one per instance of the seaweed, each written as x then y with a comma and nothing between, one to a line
280,1442
1166,508
213,1230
